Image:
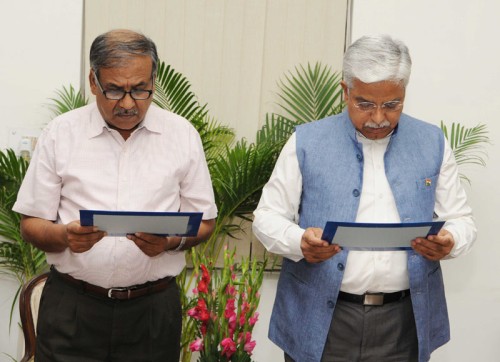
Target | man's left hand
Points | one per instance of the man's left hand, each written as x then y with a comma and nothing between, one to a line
153,245
435,247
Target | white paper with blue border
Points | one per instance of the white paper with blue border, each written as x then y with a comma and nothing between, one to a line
375,236
121,223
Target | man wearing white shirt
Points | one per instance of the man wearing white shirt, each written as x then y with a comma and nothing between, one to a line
370,164
114,298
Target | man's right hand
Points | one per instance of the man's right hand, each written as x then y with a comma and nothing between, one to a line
82,238
48,236
314,249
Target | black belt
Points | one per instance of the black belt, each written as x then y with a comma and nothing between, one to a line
374,298
124,293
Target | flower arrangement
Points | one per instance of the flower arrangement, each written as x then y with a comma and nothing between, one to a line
223,309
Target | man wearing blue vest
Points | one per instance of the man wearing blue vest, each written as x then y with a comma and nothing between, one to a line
370,164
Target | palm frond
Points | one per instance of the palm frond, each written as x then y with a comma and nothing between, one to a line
12,168
173,93
276,130
468,144
67,100
17,258
311,93
237,179
214,136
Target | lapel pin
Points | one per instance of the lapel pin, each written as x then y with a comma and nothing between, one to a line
428,182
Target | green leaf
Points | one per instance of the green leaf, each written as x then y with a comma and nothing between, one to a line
173,93
67,100
17,258
310,93
468,144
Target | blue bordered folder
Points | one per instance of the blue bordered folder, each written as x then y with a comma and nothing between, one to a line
367,236
121,223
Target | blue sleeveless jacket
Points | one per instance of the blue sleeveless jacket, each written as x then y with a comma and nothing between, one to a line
331,164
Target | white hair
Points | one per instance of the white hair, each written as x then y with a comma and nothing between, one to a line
377,58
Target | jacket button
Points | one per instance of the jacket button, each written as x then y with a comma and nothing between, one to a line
340,266
359,157
355,192
330,304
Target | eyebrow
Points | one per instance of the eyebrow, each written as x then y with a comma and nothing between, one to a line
360,99
117,87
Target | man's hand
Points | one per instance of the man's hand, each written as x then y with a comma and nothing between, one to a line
153,245
435,247
315,249
82,238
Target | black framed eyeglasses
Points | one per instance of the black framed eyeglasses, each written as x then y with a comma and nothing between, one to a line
118,94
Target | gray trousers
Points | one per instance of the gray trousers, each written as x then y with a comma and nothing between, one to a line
371,333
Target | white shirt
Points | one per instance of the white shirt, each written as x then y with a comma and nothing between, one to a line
81,163
384,271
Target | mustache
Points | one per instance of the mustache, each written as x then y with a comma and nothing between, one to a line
126,112
383,124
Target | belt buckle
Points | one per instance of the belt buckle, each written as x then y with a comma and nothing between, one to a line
111,290
373,299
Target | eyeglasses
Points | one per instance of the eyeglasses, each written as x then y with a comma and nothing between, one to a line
118,94
391,106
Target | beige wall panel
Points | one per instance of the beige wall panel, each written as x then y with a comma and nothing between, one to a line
232,51
171,33
300,32
239,95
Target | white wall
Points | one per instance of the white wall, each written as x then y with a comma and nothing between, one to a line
455,78
41,42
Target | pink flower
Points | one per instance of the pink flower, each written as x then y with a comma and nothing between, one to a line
232,323
249,346
193,312
228,347
199,312
204,281
204,273
230,309
231,290
196,345
254,319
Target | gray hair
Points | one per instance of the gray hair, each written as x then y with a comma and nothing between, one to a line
112,49
377,58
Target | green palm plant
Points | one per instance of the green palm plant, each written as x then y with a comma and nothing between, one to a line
468,144
17,258
66,100
173,93
311,93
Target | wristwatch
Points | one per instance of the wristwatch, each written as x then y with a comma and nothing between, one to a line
181,244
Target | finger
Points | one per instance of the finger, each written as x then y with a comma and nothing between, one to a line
311,238
146,246
429,251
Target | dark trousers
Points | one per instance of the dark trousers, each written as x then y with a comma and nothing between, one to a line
77,327
371,333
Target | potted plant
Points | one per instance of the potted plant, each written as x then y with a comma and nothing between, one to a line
18,259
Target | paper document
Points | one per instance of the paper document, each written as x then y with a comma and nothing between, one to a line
121,223
364,236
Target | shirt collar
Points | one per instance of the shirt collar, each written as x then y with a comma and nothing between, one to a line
97,123
361,138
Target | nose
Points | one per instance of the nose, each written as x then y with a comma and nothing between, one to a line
127,102
378,115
